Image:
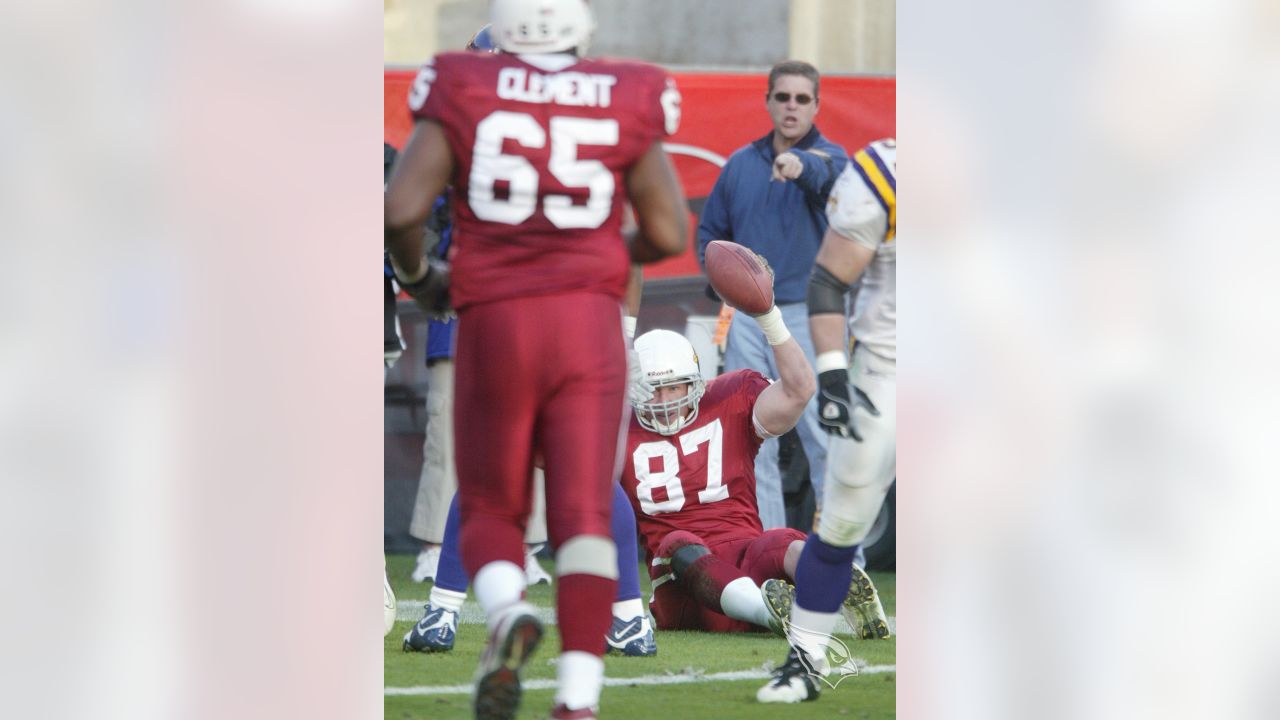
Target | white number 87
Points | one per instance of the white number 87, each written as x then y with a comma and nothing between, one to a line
667,476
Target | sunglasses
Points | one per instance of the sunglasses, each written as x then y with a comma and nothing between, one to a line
784,98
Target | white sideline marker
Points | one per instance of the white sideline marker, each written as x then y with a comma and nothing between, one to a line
678,679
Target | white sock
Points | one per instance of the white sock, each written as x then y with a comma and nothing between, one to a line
627,609
579,678
497,585
811,631
741,600
447,599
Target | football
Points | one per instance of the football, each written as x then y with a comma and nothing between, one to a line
739,276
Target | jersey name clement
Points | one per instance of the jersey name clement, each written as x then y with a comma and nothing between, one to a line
574,89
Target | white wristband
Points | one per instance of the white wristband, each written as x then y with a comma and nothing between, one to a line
629,327
831,360
775,330
404,278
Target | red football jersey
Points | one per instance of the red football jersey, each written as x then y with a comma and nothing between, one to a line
541,154
702,480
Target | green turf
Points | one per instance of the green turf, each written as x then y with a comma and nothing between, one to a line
865,696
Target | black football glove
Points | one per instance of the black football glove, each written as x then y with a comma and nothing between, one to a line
431,291
836,405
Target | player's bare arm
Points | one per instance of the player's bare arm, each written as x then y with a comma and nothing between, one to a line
420,174
744,280
635,288
840,261
780,406
844,260
661,217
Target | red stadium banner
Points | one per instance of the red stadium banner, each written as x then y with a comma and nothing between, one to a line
720,113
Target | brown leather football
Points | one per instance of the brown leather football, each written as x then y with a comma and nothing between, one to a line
739,276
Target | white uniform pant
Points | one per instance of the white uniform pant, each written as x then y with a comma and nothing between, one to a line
859,473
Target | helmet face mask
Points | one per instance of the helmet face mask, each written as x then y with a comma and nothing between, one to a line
668,417
540,26
667,360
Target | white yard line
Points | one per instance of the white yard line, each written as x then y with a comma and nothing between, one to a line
411,611
677,679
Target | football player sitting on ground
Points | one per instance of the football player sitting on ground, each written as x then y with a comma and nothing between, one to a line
690,473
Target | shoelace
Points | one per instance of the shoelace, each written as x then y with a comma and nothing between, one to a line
791,668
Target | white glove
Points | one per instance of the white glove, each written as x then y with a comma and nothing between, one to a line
639,390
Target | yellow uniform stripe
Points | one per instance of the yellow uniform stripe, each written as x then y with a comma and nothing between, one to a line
881,187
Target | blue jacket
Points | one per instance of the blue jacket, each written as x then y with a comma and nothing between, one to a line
783,221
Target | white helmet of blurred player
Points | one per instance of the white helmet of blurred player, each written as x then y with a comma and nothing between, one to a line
540,26
667,359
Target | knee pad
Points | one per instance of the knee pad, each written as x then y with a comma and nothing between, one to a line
684,557
846,519
675,540
588,555
841,529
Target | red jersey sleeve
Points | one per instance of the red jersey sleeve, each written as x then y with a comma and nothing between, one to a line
424,103
742,388
659,106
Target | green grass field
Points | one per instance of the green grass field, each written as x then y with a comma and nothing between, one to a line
864,696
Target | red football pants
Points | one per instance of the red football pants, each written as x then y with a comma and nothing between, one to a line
543,374
760,558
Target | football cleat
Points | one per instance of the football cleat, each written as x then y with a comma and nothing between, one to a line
515,636
632,638
435,632
778,597
862,608
533,572
562,712
428,561
791,683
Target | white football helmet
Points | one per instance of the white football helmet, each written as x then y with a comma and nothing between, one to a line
540,26
667,358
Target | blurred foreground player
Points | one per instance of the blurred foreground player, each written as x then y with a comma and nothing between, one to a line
630,633
862,449
438,480
537,144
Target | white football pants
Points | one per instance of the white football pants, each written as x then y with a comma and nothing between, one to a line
859,473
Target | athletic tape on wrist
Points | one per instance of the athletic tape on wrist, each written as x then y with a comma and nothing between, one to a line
629,327
775,330
403,277
831,360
